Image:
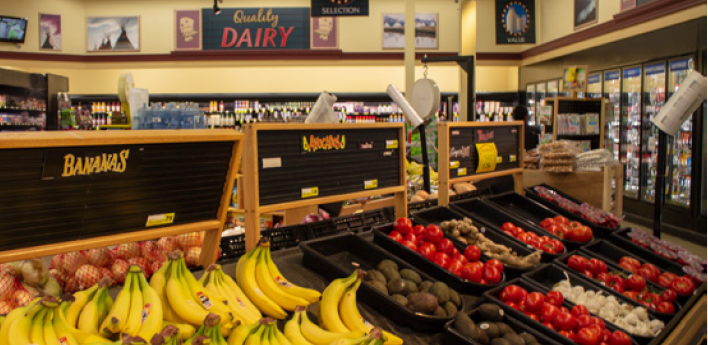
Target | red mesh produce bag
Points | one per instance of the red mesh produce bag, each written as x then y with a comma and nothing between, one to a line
120,270
126,251
7,284
167,244
59,275
150,251
87,276
105,272
186,241
72,285
144,265
5,307
20,297
99,257
56,262
191,257
71,262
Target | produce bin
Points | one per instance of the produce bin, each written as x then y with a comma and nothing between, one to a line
453,337
621,239
605,249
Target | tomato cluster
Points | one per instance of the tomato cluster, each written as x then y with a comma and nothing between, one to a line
575,324
633,286
683,286
431,244
566,230
545,243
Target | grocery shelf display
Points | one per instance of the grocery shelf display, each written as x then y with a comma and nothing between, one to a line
531,102
594,85
631,121
540,95
681,151
612,92
654,98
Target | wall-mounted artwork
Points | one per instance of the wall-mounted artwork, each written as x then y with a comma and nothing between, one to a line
111,34
426,30
585,13
188,30
49,32
323,33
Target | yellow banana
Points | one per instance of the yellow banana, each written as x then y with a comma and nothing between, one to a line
135,313
81,298
36,336
152,319
48,333
352,318
64,332
292,330
184,330
232,288
256,337
238,308
116,319
240,334
270,288
309,295
19,332
180,299
247,280
211,301
329,306
280,337
158,281
9,320
319,336
90,317
265,337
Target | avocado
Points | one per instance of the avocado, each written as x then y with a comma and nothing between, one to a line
390,273
500,341
411,275
490,328
466,326
425,286
528,338
400,299
514,339
482,337
379,286
397,286
387,263
450,308
491,312
504,329
441,291
422,302
411,287
455,298
372,275
440,312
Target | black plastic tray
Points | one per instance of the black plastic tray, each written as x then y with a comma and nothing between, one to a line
512,204
461,285
493,295
519,248
600,231
545,277
333,257
320,229
232,247
613,253
620,237
453,337
421,205
285,237
493,219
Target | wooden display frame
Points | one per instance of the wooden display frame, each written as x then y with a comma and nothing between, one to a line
211,227
444,180
555,101
251,197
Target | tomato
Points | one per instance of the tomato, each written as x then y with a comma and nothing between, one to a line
617,281
666,278
683,286
427,250
630,260
598,321
396,236
516,231
534,235
548,312
411,237
568,334
472,253
445,246
579,310
512,293
578,263
563,309
544,239
522,305
496,264
523,237
433,234
631,294
646,272
555,298
580,234
560,220
665,307
508,226
533,316
654,271
442,259
491,275
455,267
410,245
669,295
605,336
597,266
558,245
583,321
635,283
564,321
548,324
574,224
455,252
546,223
512,305
628,267
588,274
472,272
549,247
534,302
458,256
603,278
619,338
586,336
534,242
418,230
403,225
556,230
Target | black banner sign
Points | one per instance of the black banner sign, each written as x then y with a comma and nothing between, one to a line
515,21
337,8
90,163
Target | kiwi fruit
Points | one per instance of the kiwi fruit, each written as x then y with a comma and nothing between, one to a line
397,286
514,339
440,312
504,329
375,275
411,275
490,328
528,338
450,308
425,286
491,312
466,326
390,273
387,263
500,341
379,286
441,291
400,299
455,298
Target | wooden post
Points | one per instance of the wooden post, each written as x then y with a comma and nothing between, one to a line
444,163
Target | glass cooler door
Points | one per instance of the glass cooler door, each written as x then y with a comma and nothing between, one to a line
552,88
631,128
654,98
531,103
540,95
612,93
679,181
594,85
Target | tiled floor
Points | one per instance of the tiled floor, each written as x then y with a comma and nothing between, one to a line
697,248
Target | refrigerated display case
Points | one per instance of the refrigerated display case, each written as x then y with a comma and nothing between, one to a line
540,95
561,93
631,129
612,91
594,85
654,98
531,103
552,90
679,182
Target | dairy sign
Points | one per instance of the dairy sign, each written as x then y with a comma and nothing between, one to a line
259,28
335,8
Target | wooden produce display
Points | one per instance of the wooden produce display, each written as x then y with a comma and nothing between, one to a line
67,191
294,167
580,106
475,151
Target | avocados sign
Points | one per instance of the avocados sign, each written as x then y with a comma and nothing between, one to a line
256,28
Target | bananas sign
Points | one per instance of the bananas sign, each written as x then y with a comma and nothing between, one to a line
92,162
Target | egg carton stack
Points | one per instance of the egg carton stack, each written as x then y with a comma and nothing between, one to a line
532,159
557,157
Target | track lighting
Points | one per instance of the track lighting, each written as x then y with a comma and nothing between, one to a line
217,10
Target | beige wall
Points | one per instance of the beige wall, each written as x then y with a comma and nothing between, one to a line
557,17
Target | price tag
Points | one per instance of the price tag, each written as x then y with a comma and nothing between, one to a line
310,192
512,158
461,171
371,184
160,219
454,164
499,159
487,153
391,144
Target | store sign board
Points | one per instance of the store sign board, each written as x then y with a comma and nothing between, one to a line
614,75
681,65
657,68
338,8
632,72
515,21
257,28
90,163
594,78
477,150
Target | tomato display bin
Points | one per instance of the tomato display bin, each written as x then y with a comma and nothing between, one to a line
453,337
493,295
332,257
620,237
603,248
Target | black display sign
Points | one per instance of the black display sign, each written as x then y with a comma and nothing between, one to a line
256,28
91,163
466,144
336,8
515,21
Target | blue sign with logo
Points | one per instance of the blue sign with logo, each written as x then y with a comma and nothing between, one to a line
256,28
632,72
515,21
656,68
613,75
594,78
338,8
681,65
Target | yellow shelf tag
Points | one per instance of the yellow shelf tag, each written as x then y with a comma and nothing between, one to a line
512,158
310,192
487,153
391,144
160,219
499,159
371,184
454,164
461,171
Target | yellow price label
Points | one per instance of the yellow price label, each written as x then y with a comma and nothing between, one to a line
499,159
371,184
454,164
391,144
160,219
461,171
512,158
310,192
488,155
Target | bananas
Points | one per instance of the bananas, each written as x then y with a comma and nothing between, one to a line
94,311
263,332
243,309
352,319
319,336
211,330
42,323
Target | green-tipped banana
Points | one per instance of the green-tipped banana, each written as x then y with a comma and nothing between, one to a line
116,319
284,299
81,299
135,313
329,306
292,329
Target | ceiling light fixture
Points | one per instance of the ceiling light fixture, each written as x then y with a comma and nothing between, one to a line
217,10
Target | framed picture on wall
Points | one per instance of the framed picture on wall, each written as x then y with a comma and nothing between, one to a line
111,34
50,32
426,31
584,13
188,30
323,33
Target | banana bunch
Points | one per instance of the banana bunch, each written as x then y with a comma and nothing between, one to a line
136,312
243,309
265,331
42,322
338,310
209,329
262,282
300,330
185,300
184,331
90,307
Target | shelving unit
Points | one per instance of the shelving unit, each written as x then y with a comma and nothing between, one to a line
25,87
581,106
